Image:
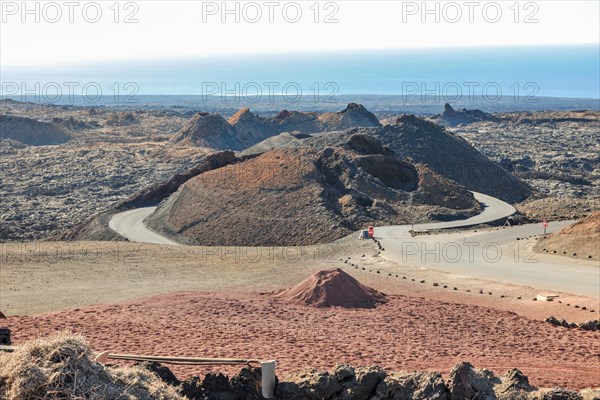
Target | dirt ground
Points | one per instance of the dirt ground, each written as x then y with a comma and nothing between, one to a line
43,277
406,333
211,301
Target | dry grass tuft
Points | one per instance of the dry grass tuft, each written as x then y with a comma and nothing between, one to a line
62,367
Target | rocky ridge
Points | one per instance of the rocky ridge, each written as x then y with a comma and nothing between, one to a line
244,129
347,382
452,117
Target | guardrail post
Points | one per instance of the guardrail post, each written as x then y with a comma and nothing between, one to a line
268,378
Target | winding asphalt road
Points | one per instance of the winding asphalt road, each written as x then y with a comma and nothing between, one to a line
486,254
130,225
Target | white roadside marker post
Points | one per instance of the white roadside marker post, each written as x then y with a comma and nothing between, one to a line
268,378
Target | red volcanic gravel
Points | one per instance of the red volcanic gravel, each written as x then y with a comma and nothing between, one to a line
406,333
333,288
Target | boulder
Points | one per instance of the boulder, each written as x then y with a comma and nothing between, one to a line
465,382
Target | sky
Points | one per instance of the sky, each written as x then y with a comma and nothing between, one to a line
54,33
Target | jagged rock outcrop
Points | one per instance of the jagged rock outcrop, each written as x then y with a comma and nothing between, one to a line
345,382
31,132
465,382
452,117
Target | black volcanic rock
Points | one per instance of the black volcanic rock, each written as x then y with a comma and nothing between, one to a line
452,117
32,132
366,144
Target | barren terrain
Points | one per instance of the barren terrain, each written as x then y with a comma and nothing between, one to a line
114,153
405,333
221,301
554,152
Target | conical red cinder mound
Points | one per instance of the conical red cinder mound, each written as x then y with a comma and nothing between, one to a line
333,288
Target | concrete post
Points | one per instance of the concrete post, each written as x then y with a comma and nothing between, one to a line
268,378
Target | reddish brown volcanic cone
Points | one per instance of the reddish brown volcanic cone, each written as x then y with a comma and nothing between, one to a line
333,288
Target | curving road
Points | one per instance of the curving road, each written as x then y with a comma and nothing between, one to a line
487,254
494,254
130,225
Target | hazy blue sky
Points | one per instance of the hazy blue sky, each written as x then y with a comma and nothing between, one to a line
41,33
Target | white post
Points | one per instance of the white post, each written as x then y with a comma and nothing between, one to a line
268,378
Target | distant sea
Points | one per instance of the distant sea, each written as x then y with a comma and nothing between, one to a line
445,75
